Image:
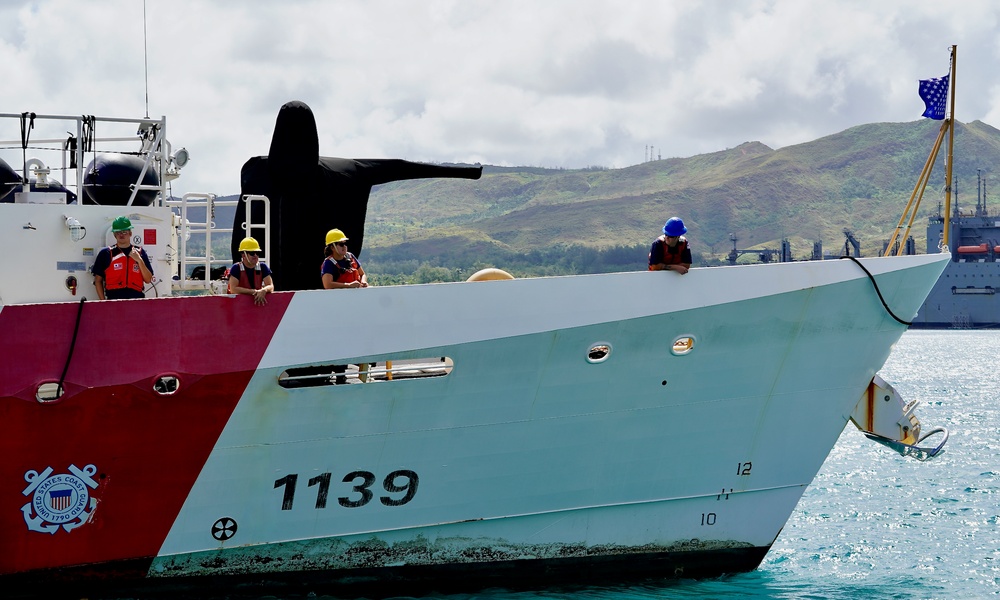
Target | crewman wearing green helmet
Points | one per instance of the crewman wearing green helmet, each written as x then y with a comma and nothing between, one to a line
122,271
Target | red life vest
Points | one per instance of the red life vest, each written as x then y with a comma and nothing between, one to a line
123,272
346,275
244,280
672,258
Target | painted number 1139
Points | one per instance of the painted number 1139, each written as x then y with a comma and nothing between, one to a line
402,481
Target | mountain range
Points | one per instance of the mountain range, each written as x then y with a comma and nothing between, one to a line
859,179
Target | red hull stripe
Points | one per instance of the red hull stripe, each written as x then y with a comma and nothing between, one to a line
146,449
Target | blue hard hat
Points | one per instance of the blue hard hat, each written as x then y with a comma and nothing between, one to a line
674,227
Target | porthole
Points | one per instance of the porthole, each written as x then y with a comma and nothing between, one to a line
49,392
599,353
166,385
682,345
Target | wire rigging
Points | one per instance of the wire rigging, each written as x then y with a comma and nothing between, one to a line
877,291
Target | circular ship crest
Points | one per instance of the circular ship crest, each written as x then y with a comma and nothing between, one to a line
60,499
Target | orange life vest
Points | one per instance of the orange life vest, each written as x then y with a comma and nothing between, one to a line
347,275
123,272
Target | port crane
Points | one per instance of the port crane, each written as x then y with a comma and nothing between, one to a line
765,255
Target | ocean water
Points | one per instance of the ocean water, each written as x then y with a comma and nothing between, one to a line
874,524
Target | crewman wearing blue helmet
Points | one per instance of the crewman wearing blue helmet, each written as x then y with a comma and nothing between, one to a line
670,251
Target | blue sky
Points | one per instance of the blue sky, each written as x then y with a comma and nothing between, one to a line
550,83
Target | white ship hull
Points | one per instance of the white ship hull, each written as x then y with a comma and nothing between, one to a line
526,450
513,452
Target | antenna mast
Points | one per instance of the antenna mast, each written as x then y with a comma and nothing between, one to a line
145,59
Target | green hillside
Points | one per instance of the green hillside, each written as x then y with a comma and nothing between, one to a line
595,219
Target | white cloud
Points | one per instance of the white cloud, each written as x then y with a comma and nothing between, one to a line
569,83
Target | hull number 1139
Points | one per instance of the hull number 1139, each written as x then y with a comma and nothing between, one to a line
402,481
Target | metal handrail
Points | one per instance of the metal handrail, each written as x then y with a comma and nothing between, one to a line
187,228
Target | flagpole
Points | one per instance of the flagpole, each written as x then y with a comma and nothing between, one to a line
928,93
951,147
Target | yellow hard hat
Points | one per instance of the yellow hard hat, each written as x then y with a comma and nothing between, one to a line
249,245
335,235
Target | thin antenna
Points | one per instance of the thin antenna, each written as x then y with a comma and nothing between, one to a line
979,187
145,58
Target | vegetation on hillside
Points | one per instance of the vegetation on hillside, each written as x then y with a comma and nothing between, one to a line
859,180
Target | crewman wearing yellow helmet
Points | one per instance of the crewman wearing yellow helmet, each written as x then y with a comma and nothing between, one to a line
251,276
341,269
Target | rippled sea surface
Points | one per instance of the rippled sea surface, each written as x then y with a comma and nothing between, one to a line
874,524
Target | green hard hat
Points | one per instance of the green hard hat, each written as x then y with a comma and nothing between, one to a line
121,224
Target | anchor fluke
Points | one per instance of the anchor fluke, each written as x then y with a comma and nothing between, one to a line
883,416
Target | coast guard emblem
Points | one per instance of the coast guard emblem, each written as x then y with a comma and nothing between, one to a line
58,500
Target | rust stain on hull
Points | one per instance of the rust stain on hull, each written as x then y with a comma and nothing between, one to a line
338,554
375,568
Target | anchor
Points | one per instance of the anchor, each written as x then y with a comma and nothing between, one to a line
883,416
36,523
82,519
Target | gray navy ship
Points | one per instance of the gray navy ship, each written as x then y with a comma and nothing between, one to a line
965,296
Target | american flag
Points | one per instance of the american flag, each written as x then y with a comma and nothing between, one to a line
60,500
934,93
